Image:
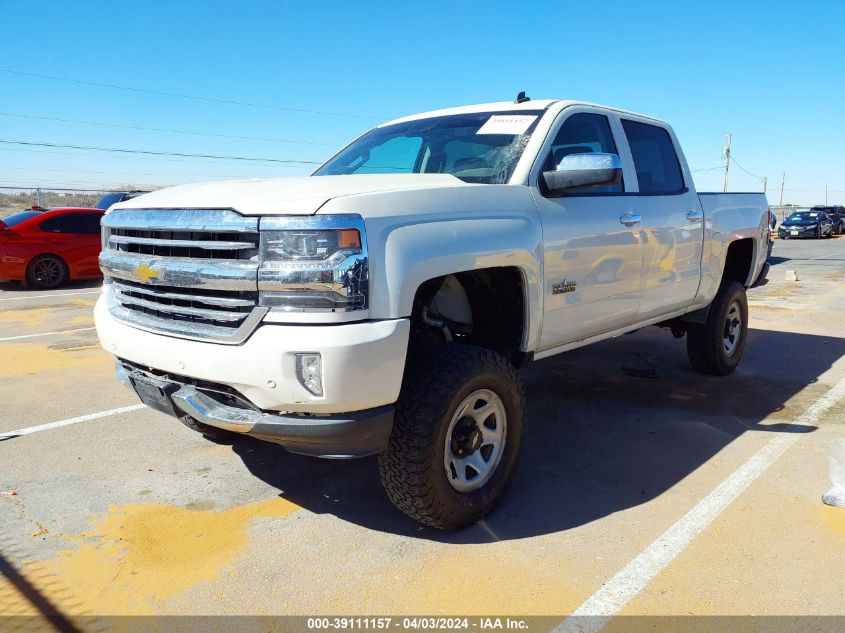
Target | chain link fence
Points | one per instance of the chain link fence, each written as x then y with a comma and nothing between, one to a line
14,199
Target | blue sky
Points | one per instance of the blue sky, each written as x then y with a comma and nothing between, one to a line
773,74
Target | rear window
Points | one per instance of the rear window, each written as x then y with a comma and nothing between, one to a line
658,169
17,218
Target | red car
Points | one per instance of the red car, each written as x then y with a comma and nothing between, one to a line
46,247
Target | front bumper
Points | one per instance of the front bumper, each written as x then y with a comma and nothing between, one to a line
338,436
801,231
362,363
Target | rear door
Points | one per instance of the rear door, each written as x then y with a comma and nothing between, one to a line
592,250
672,229
76,238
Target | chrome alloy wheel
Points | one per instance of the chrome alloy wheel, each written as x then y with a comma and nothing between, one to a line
733,329
475,440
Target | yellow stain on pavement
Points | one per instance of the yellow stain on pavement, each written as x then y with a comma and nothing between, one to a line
38,316
833,519
19,359
138,556
31,316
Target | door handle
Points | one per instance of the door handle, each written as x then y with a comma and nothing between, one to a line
695,216
630,219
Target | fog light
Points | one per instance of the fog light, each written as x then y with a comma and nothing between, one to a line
309,372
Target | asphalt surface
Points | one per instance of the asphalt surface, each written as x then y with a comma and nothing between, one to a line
132,513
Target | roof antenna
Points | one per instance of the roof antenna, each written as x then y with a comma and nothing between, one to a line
521,98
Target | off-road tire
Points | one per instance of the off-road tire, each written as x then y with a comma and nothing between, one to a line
412,467
705,348
35,278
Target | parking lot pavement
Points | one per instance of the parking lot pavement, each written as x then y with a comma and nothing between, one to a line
133,513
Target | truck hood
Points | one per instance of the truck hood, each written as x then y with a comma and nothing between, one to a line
282,196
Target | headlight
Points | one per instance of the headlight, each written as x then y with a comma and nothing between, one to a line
314,264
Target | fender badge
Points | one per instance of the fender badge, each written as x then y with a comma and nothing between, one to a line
563,287
145,273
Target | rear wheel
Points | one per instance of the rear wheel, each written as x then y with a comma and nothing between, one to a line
456,437
46,272
715,347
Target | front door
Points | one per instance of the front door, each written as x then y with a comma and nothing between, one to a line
592,247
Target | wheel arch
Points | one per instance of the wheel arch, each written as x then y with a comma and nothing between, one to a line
490,309
739,261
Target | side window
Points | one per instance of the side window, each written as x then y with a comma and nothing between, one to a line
74,223
583,133
658,169
398,155
59,224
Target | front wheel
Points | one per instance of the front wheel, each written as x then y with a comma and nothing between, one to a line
456,437
715,347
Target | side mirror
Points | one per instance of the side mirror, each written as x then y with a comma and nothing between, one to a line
584,171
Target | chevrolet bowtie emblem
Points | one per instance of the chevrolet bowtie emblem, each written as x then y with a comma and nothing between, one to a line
145,273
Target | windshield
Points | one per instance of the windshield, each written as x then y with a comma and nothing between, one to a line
17,218
481,147
805,215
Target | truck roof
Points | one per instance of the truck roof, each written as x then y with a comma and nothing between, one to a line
510,106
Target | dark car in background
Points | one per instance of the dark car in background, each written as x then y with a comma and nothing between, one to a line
836,213
47,247
117,196
810,223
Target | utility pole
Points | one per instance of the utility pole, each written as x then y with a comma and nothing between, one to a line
782,180
825,195
726,153
765,183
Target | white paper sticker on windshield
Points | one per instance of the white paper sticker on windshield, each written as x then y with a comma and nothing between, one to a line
512,124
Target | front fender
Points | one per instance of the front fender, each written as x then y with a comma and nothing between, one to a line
414,236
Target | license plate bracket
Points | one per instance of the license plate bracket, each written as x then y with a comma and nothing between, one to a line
155,393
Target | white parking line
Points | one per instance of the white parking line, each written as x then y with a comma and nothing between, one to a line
69,421
23,336
612,597
50,296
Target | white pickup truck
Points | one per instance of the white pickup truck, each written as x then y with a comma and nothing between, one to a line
384,304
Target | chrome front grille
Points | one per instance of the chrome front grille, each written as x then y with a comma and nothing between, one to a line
190,244
180,304
188,273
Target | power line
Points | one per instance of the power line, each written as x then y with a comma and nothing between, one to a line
171,131
153,153
733,158
114,173
178,95
157,159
